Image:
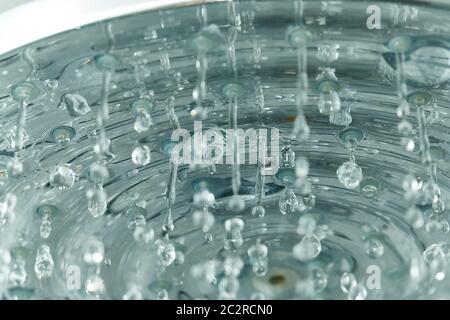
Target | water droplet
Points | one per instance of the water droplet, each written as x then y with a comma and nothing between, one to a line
143,122
349,174
288,202
405,128
234,224
308,202
438,206
46,227
258,211
369,187
5,256
301,128
18,275
162,295
306,225
301,167
44,262
341,117
94,285
374,248
141,155
329,101
228,288
236,203
136,221
98,173
207,39
204,219
165,62
408,143
15,167
320,279
3,176
93,251
411,184
166,252
133,293
414,217
445,226
62,177
258,258
233,238
347,281
51,84
232,266
97,202
308,248
5,260
258,296
357,292
204,198
432,226
328,52
144,234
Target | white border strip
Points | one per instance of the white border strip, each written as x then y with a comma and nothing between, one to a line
38,19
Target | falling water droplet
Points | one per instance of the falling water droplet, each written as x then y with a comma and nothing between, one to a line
233,237
374,248
94,285
228,288
301,167
232,266
329,101
46,227
347,281
357,292
203,198
319,279
3,176
93,251
203,219
133,293
328,52
438,206
97,202
308,248
5,260
166,252
44,262
144,234
15,167
62,177
414,217
306,225
98,173
143,122
257,254
236,203
141,155
258,211
445,226
288,202
350,174
301,128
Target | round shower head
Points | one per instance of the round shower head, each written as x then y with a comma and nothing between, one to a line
224,150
